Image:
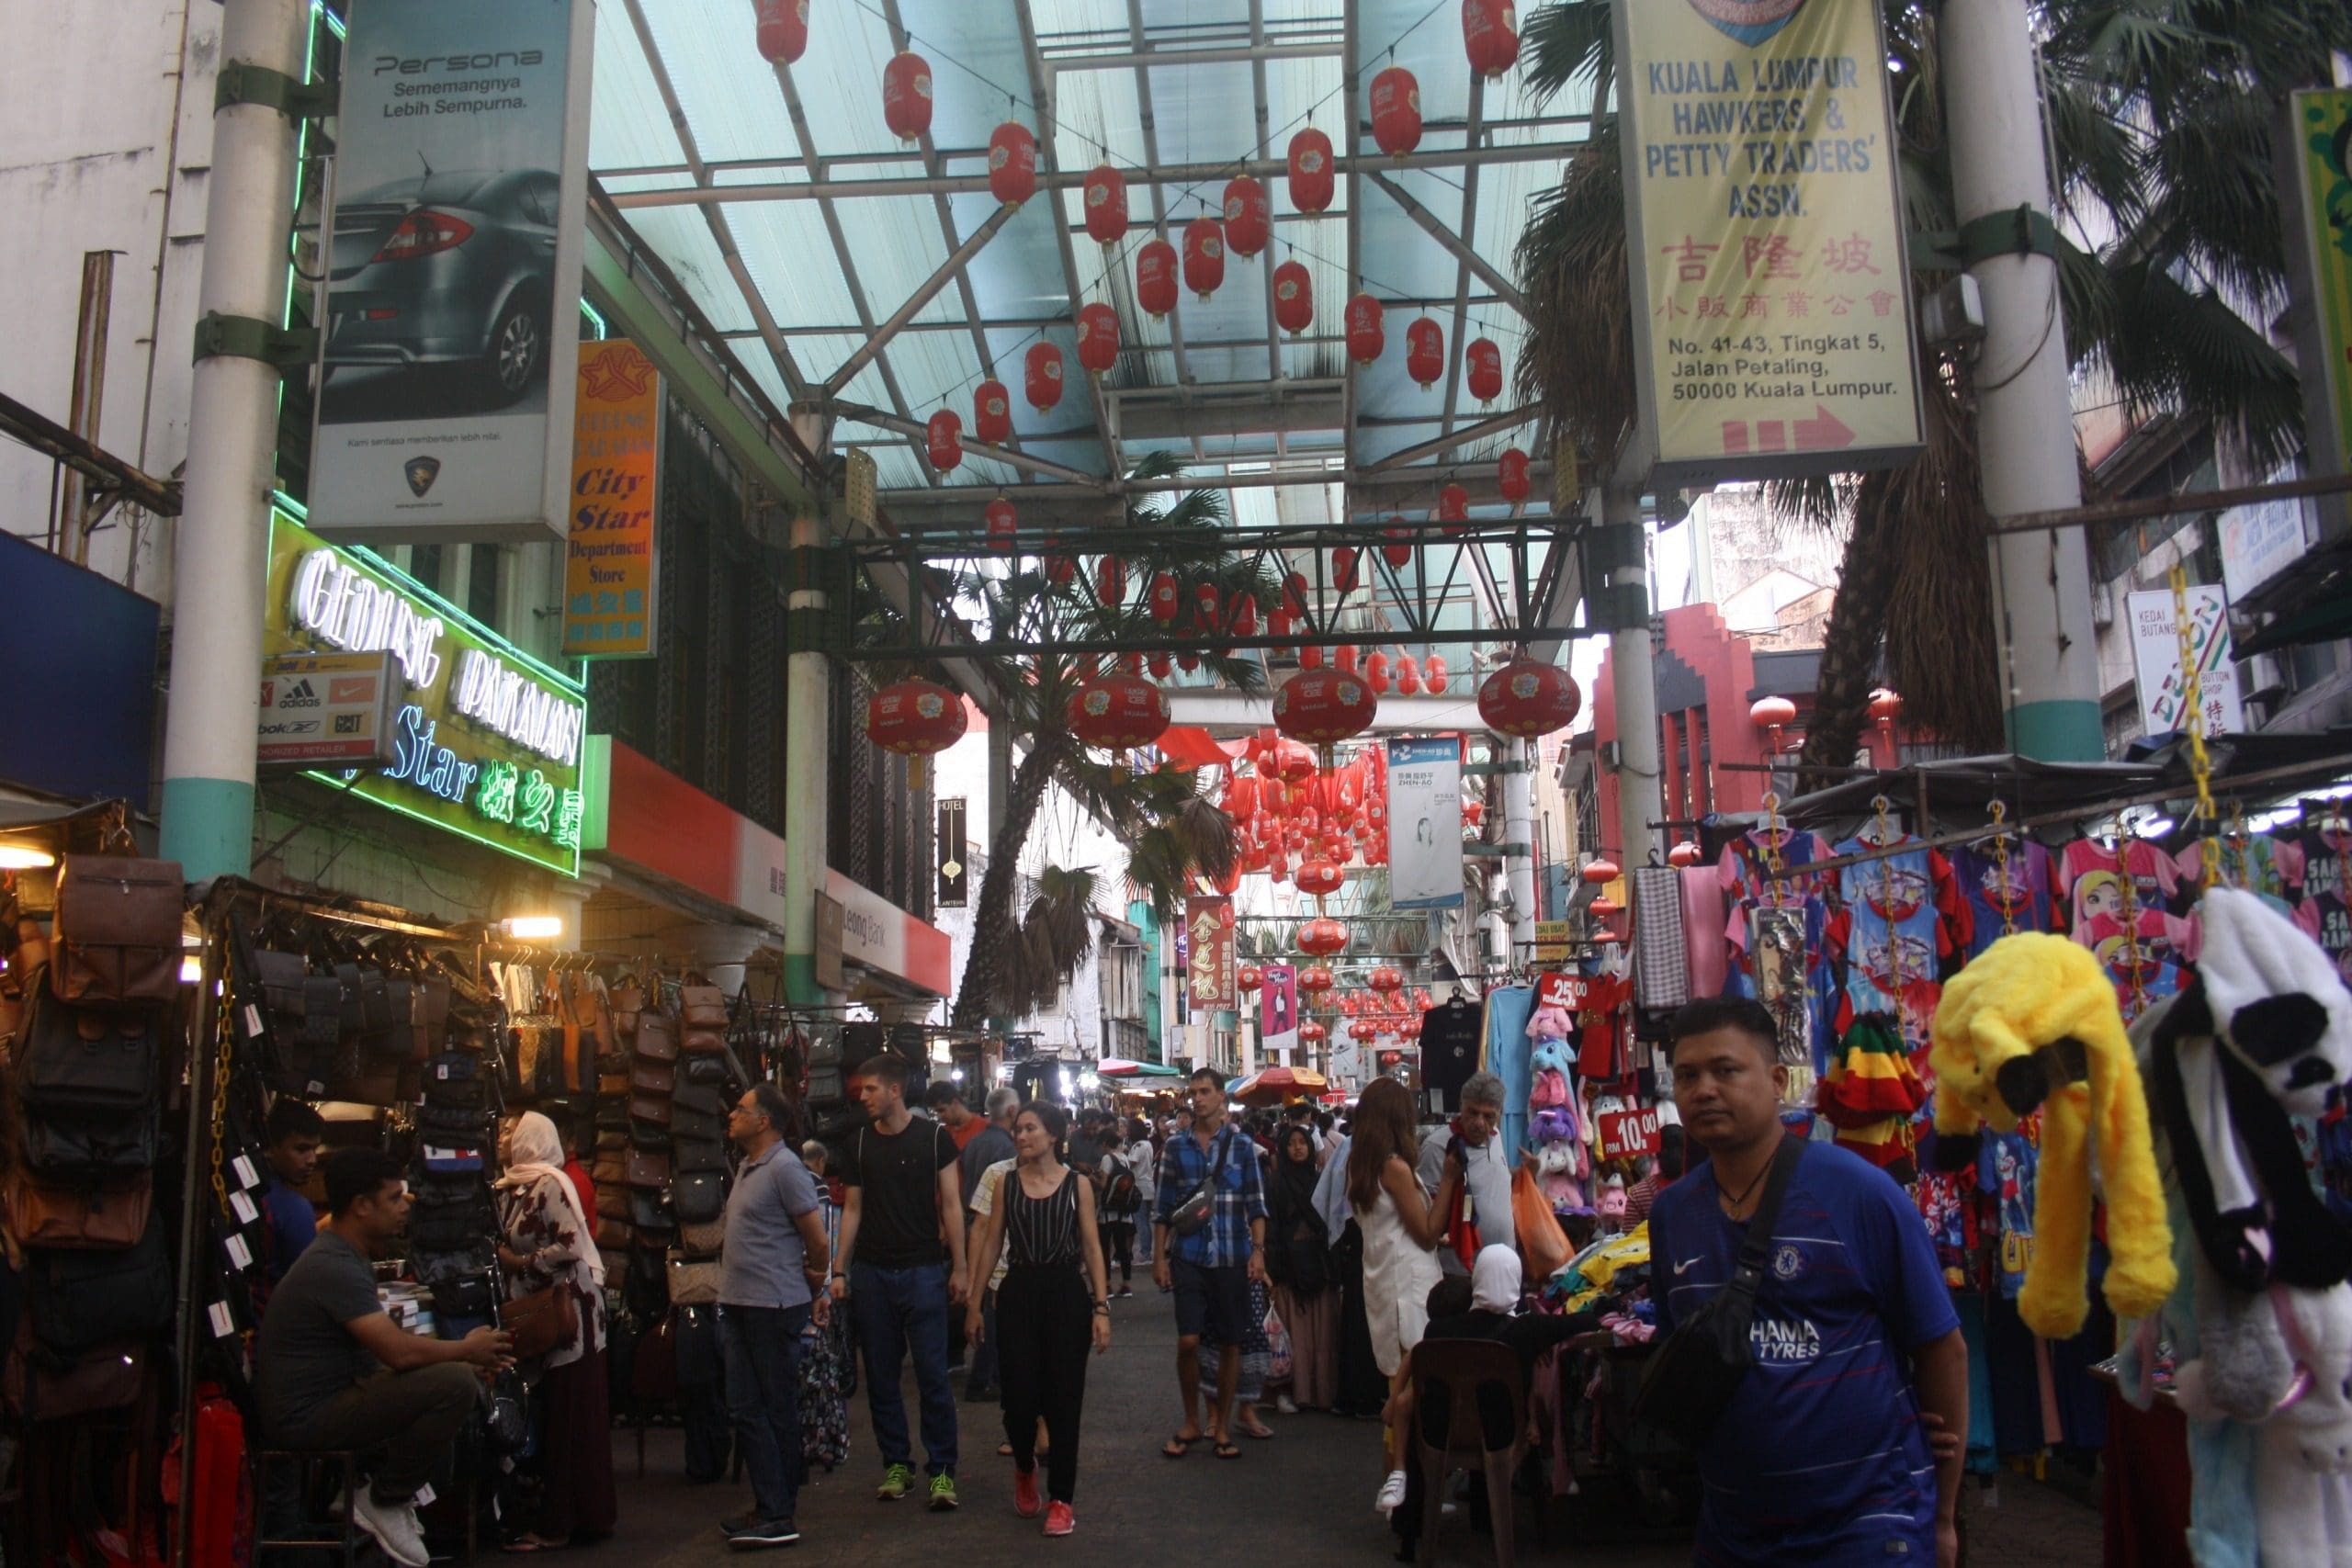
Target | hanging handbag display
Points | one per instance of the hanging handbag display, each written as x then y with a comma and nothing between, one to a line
693,1282
85,1062
706,1072
656,1039
543,1321
697,1198
42,1386
1694,1372
702,1007
648,1213
703,1239
83,1151
84,1217
80,1299
649,1108
652,1077
696,1153
647,1168
457,1079
115,932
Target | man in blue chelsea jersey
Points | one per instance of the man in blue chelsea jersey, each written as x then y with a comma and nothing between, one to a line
1843,1444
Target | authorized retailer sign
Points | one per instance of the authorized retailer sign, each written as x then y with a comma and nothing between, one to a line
1763,221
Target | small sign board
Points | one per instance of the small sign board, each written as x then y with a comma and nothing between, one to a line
1551,941
1625,1134
322,709
830,917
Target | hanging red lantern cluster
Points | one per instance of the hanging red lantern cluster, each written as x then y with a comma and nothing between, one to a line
1106,204
1249,216
1166,598
906,96
943,440
992,412
1312,175
1366,338
1490,36
914,718
1294,297
1110,579
1387,980
1525,699
1396,111
1600,872
784,30
1320,877
1408,675
1312,1033
1117,712
1012,163
1155,278
1315,977
1433,674
1324,706
1000,524
1511,475
1322,936
1483,360
1425,351
1204,255
1247,978
1098,338
1453,508
1041,377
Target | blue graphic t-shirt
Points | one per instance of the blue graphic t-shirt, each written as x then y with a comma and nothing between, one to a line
1820,1458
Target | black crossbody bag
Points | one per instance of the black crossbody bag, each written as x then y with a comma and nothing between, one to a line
1697,1369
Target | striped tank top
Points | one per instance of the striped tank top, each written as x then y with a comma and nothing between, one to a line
1041,1231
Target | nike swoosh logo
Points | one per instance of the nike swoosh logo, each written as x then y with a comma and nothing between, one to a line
1684,1266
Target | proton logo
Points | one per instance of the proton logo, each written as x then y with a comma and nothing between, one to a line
421,472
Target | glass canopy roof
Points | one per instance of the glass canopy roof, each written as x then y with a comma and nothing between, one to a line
803,227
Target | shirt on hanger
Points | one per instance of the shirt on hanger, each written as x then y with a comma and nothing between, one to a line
2323,855
1707,950
1893,931
1747,876
2021,898
1452,1034
2091,875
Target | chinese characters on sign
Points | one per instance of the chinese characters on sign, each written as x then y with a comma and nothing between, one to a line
2156,652
615,495
1208,930
1761,198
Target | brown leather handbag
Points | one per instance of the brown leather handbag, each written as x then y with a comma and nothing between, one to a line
117,930
652,1077
653,1108
703,1005
647,1168
693,1281
700,1040
43,1216
702,1240
540,1322
657,1037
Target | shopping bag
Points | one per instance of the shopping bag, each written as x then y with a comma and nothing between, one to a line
1278,1366
1544,1247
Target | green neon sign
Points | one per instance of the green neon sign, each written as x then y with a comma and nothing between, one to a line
487,740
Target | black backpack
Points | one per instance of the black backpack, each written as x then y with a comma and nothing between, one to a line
71,1149
1119,1193
82,1299
82,1062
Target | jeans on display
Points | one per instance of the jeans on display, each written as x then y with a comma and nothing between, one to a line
763,1349
900,1311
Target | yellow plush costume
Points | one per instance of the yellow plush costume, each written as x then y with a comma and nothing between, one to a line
2027,992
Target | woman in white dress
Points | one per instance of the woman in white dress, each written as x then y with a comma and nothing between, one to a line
1402,1227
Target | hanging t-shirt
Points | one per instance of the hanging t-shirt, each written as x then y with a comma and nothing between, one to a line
1706,952
1745,874
2323,896
1508,1047
1894,932
2147,969
2091,875
1452,1034
2005,1169
2020,898
1819,1457
2250,862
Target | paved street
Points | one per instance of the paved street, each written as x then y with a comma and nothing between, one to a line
1304,1496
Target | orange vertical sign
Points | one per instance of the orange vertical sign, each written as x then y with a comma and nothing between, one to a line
608,578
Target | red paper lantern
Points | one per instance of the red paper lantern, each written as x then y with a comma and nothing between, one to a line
1290,761
1311,171
1375,675
1408,675
1165,598
1310,658
1398,552
1684,853
1344,569
1425,350
1526,699
1294,596
1396,111
1315,977
1204,255
1323,706
784,30
1433,674
1042,375
906,96
1486,369
1106,204
1155,278
1322,936
1206,601
914,718
1012,163
1312,1033
1294,297
1387,980
1365,339
1511,475
1110,579
1001,525
1098,338
1343,659
992,412
1160,666
1117,712
1061,568
944,439
1247,978
1886,705
1454,507
1473,812
1241,616
1600,872
1603,908
1490,36
1319,877
1773,714
1248,217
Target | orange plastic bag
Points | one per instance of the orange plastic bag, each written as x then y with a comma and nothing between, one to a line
1543,1245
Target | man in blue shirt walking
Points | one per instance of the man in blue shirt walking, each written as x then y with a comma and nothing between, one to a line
1211,1266
1842,1445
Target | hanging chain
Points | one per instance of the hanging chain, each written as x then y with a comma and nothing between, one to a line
1885,868
2200,766
225,1036
2132,953
2000,810
1772,848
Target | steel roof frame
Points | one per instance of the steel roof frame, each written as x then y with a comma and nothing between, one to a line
1049,169
1158,193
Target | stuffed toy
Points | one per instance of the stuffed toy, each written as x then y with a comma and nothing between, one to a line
2033,1022
2262,1034
1553,1124
1550,1022
1548,1083
1555,1173
1610,1205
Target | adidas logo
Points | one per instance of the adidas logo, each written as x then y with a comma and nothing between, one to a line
299,695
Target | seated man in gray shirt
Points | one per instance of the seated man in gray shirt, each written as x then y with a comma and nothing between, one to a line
333,1370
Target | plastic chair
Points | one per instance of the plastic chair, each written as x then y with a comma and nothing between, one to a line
1465,1366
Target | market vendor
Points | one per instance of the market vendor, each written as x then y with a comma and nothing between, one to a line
291,1137
333,1370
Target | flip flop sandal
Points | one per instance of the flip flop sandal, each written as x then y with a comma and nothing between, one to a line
1179,1445
1262,1434
1228,1450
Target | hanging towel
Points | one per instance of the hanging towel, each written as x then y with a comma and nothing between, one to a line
1661,957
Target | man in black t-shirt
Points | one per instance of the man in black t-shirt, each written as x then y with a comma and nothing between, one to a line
901,1268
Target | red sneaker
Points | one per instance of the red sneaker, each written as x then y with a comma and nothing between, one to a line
1025,1493
1060,1520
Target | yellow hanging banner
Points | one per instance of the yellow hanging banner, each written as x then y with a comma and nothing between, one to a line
1764,229
2322,121
609,561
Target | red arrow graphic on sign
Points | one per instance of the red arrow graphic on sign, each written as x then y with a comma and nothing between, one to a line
1823,429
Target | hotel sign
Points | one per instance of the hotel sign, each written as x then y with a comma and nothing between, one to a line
485,739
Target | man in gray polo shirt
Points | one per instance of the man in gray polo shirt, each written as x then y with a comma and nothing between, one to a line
774,1259
1486,1164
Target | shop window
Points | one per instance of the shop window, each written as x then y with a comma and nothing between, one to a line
424,565
481,584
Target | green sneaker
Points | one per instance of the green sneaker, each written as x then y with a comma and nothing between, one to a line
942,1492
897,1482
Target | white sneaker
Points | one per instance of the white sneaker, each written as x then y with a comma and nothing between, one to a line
1282,1406
397,1532
1392,1494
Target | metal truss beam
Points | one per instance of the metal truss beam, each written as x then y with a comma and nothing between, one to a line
1461,250
949,271
1354,220
1142,57
1364,486
1052,180
819,189
1006,454
1158,194
1464,436
1466,248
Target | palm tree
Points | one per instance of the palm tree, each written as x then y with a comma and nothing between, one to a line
2159,120
1172,833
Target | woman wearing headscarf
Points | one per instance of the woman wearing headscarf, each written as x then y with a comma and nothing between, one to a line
1298,1260
547,1241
